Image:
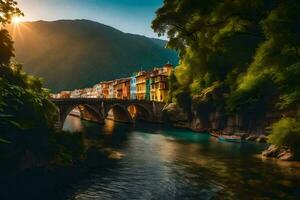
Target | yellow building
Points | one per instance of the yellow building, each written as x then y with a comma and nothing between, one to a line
159,83
142,86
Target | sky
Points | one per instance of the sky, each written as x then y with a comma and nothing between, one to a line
130,16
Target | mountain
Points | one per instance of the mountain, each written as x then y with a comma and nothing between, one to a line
72,54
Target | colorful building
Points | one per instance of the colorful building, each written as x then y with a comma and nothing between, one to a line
133,86
122,88
110,89
105,89
76,93
142,85
98,90
159,83
87,93
126,88
64,94
117,89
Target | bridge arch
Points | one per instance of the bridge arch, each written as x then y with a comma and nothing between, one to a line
139,112
119,113
97,109
87,112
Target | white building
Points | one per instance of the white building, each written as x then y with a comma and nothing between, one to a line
76,93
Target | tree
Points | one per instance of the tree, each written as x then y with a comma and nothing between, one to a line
210,35
8,10
247,50
26,114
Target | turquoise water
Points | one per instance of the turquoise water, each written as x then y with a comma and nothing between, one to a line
167,163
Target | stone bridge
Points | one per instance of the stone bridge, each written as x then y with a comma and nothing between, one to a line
97,110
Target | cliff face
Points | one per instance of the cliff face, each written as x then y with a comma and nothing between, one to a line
219,120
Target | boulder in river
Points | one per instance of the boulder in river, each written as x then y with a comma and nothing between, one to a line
286,155
282,153
272,151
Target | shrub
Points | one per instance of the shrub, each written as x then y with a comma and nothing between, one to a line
286,132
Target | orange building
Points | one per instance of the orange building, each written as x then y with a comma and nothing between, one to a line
65,94
126,88
105,89
122,88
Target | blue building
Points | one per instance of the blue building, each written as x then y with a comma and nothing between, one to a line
133,86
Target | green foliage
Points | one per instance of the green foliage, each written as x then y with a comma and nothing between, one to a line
67,148
210,36
183,99
252,96
239,56
278,55
173,85
286,132
26,115
9,9
289,83
6,47
22,98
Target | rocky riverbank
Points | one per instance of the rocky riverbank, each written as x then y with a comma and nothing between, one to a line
282,153
221,124
214,123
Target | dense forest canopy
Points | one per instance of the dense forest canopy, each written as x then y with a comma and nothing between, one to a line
237,56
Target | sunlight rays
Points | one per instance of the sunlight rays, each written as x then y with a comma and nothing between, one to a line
16,20
18,25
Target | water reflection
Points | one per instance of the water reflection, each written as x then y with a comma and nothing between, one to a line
166,163
73,124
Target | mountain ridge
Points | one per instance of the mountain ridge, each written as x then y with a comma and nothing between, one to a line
72,54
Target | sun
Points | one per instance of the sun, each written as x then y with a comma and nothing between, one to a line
16,20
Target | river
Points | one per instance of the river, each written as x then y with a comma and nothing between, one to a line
168,163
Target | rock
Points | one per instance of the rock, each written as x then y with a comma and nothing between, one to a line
282,153
262,139
196,125
252,138
272,151
286,155
174,113
243,135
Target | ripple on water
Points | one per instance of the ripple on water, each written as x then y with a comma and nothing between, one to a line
177,164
